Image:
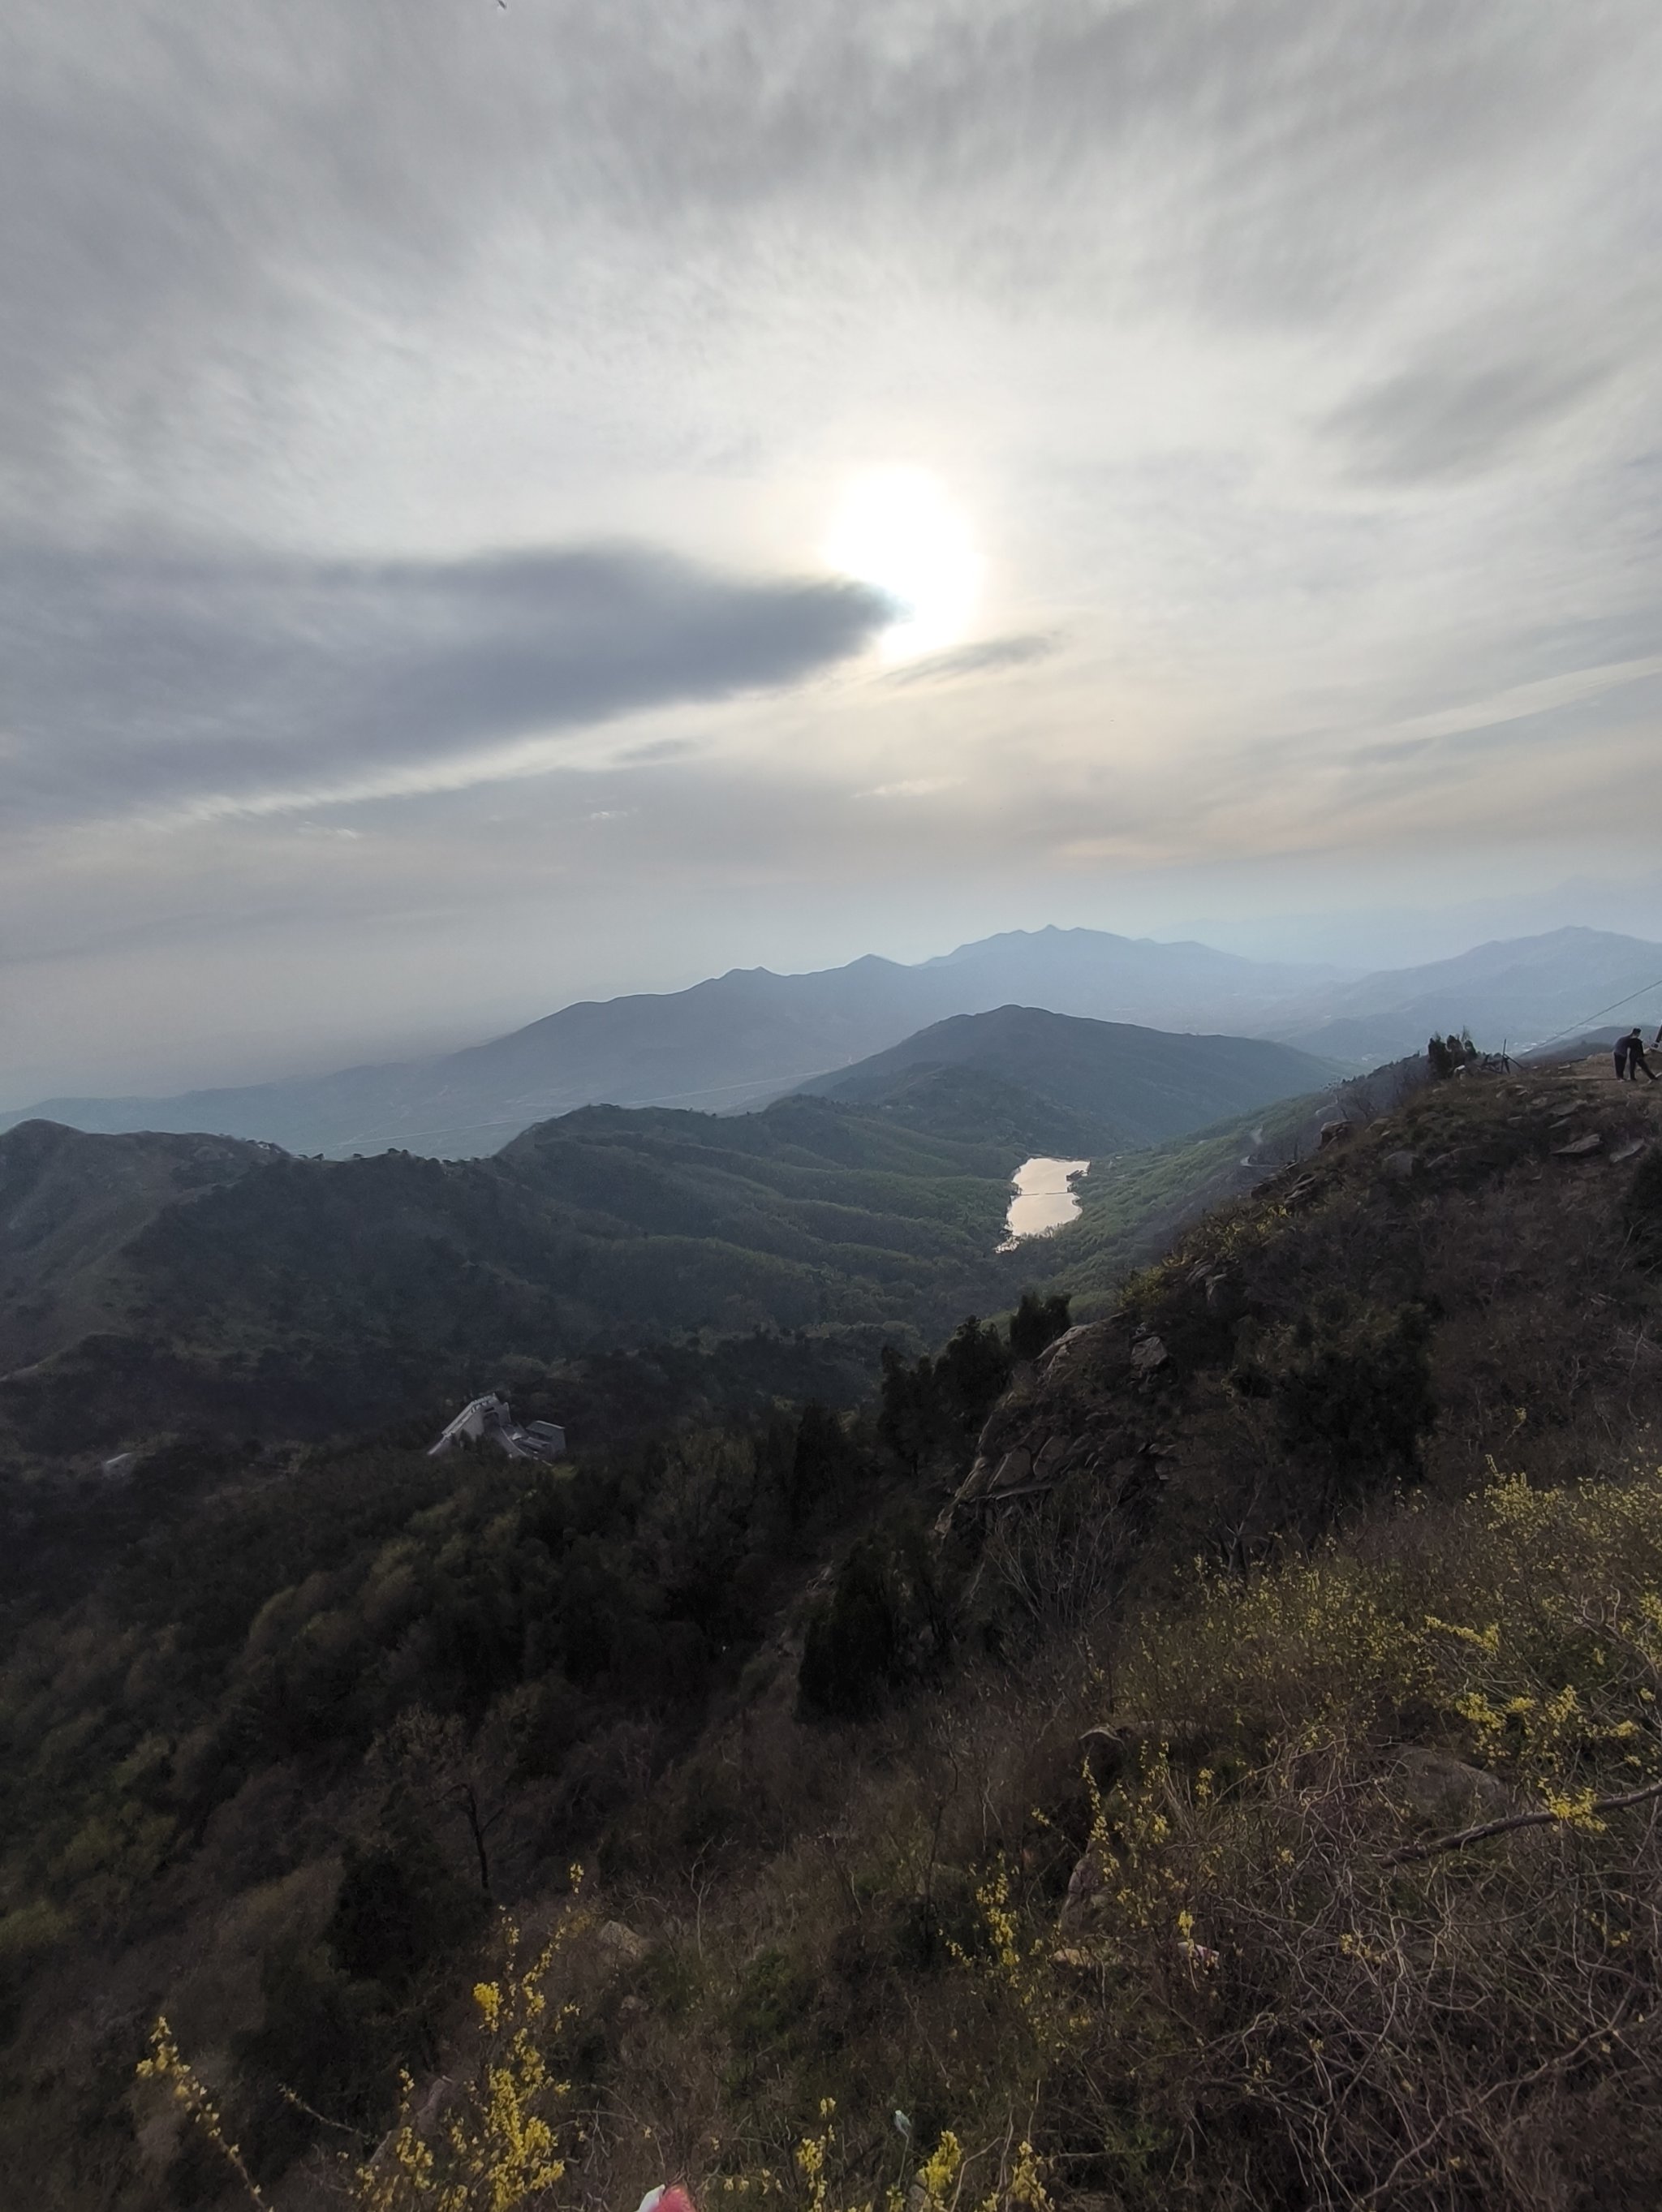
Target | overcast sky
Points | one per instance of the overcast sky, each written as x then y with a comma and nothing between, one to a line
505,504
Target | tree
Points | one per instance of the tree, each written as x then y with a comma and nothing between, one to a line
1358,1399
432,1762
971,1372
911,1418
851,1654
1036,1323
822,1460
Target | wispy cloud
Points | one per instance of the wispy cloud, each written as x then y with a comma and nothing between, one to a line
987,657
1434,424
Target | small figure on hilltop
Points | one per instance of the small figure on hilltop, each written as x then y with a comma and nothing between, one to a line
1620,1057
1637,1063
1451,1055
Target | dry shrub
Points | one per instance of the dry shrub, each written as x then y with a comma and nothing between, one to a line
1260,2003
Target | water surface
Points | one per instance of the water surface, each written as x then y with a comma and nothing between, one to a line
1044,1198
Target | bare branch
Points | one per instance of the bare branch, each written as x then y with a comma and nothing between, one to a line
1485,1829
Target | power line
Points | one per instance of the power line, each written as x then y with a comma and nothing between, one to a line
1587,1018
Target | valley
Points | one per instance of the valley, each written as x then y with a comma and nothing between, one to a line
872,1475
155,1282
830,1175
804,1692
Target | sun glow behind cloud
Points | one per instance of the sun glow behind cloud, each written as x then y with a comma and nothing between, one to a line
895,528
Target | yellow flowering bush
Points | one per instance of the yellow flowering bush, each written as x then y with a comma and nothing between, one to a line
496,2144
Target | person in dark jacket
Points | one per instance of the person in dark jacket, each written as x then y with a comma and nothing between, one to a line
1620,1057
1637,1063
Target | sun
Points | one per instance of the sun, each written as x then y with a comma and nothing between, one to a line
895,528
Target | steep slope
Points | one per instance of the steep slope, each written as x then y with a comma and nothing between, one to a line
1123,1086
738,1040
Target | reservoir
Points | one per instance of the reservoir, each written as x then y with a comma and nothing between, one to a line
1044,1198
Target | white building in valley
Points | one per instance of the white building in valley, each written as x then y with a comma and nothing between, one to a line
488,1420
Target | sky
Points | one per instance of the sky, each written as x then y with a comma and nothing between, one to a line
505,504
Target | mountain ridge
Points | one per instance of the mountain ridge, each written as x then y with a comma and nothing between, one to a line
1125,1086
289,1295
735,1040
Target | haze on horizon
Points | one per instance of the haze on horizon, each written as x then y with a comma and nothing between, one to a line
500,505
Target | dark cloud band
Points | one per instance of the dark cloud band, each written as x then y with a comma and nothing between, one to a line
138,681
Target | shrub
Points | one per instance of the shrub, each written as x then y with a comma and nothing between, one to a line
851,1653
1355,1398
1036,1323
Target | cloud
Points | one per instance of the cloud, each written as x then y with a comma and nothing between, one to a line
1176,301
986,658
239,683
1437,424
202,211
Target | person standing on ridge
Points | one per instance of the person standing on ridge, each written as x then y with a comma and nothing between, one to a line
1637,1063
1620,1057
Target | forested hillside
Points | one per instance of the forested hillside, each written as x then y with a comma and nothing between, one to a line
1114,1086
153,1283
1073,1752
284,1298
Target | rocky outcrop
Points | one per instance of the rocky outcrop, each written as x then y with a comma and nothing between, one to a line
1082,1407
1445,1791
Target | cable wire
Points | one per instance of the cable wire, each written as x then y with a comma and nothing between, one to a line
1594,1017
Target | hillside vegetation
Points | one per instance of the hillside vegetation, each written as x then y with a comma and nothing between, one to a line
1061,1801
290,1298
150,1283
1113,1087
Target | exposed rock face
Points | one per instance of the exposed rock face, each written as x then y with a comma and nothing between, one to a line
1082,1409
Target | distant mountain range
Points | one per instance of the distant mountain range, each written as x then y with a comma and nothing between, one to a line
750,1036
1520,991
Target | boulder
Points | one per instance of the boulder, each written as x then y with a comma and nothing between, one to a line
1445,1791
1014,1469
1078,1350
620,1946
